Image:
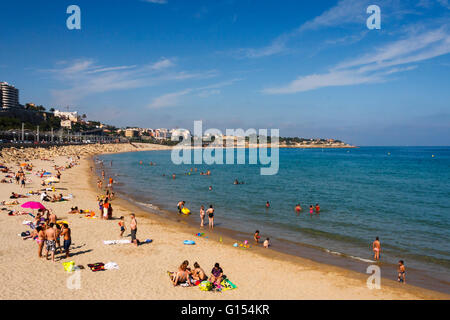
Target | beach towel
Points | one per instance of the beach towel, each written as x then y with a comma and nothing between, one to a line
111,265
116,241
227,285
99,266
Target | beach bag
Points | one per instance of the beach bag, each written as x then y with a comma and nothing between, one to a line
69,266
205,286
97,266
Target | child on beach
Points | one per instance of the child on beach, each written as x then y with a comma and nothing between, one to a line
122,226
256,236
401,272
266,243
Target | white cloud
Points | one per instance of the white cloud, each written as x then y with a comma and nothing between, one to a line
375,67
162,64
168,100
172,99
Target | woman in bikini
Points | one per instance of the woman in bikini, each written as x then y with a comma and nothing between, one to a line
210,213
198,274
40,240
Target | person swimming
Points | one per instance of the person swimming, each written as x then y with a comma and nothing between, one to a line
311,210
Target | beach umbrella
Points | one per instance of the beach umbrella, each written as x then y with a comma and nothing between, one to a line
51,179
33,205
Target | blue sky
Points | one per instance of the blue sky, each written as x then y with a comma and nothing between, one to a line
309,68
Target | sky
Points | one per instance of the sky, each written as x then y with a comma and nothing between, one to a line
311,69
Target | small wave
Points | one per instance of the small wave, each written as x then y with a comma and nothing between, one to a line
348,256
361,259
147,205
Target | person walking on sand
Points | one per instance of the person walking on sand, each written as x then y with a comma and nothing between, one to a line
50,235
210,213
202,216
376,246
67,234
122,226
133,227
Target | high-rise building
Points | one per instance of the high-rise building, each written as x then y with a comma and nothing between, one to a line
9,96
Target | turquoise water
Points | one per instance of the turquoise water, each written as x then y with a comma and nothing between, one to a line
401,194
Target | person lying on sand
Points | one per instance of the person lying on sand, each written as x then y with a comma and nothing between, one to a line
74,210
17,196
9,203
6,181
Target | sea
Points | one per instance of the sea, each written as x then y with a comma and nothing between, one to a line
399,194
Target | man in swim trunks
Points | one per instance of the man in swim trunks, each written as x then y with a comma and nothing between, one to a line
50,243
376,245
66,233
133,227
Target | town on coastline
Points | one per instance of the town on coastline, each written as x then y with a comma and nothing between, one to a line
34,124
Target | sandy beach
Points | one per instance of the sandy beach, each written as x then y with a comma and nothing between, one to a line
143,269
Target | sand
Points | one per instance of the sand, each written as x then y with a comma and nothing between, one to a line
143,269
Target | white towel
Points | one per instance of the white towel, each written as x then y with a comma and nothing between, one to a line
111,265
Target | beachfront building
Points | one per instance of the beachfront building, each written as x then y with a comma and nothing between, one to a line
131,133
9,96
66,115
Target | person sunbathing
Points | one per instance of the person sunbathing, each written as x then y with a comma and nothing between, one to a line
182,276
16,196
198,273
216,274
74,210
9,203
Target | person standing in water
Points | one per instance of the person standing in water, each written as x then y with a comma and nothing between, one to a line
317,208
376,245
180,206
298,208
311,210
267,205
210,213
401,272
202,216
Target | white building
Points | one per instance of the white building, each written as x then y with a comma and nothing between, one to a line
9,96
66,115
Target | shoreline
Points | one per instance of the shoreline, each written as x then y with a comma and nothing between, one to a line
142,274
289,249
